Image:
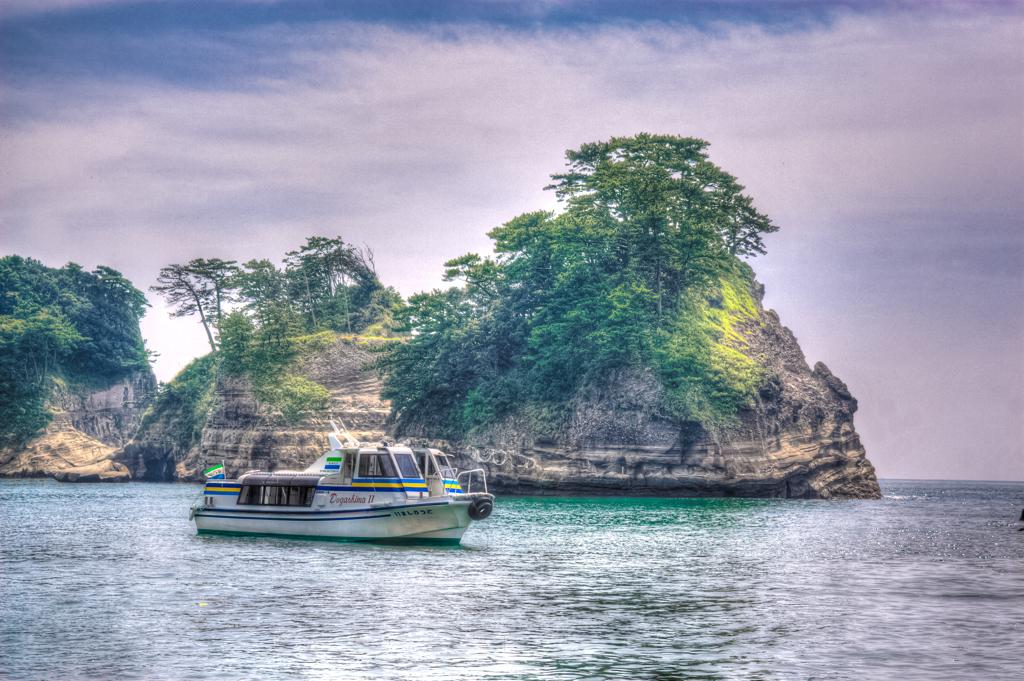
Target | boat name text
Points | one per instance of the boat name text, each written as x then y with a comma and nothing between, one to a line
351,499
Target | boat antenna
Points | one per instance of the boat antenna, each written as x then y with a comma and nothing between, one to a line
344,433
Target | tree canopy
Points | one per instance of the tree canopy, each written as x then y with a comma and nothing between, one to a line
202,287
650,231
80,326
259,317
325,285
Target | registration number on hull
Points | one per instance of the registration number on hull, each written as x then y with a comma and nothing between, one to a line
425,511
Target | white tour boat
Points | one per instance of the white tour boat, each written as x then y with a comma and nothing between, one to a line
354,492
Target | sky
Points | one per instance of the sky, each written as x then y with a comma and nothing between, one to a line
885,140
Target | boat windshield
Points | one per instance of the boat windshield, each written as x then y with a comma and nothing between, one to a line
376,466
407,465
445,462
426,464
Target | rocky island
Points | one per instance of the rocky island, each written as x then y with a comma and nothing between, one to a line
80,443
74,371
620,347
799,442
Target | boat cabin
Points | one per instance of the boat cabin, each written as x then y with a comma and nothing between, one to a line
419,473
413,474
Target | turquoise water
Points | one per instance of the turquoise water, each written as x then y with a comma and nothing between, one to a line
111,581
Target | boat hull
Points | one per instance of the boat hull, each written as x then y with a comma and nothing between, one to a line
443,522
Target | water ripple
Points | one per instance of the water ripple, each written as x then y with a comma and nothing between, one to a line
111,581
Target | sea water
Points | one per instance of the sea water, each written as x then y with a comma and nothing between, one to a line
112,582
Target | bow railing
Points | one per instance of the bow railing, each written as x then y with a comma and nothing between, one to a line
469,481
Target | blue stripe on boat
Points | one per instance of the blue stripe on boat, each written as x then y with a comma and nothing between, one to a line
306,513
408,482
311,520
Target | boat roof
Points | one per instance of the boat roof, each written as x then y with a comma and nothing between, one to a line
330,462
282,479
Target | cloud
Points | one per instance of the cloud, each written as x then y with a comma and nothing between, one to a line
21,8
887,148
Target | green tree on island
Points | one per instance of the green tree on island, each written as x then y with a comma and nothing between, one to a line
261,319
622,278
62,326
201,287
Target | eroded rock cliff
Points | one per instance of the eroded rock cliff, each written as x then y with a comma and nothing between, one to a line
246,435
112,416
799,442
87,428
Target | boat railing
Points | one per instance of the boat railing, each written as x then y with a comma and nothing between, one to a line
469,481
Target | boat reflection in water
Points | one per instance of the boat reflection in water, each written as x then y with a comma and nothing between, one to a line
354,492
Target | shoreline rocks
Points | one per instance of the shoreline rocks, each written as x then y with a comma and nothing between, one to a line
60,446
80,441
66,454
104,471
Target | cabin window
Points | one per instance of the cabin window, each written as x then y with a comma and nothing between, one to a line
377,466
386,466
407,465
270,495
446,465
426,464
250,494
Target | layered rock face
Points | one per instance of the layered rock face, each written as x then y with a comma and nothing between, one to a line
798,443
112,416
86,429
155,455
61,446
246,435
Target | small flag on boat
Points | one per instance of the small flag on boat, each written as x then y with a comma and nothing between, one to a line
215,473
